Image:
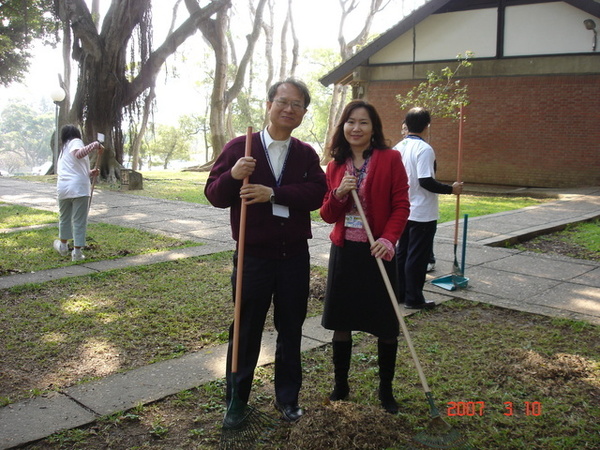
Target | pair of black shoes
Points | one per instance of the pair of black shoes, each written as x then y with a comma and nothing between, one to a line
289,412
425,305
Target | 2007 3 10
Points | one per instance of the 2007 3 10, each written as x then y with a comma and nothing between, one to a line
478,408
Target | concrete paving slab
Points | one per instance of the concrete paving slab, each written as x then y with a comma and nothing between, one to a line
549,311
475,254
146,384
319,254
124,391
167,223
507,285
571,297
153,258
313,331
540,266
44,276
37,418
217,234
475,235
591,278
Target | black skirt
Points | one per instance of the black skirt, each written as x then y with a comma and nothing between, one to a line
356,298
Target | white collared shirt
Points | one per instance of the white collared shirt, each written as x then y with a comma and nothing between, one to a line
277,151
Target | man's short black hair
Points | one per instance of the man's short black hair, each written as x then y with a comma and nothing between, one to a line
417,120
296,83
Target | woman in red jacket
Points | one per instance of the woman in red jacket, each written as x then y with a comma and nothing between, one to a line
356,297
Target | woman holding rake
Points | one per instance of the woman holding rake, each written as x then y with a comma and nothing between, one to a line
74,190
356,297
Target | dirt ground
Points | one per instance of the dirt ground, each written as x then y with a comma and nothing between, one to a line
553,245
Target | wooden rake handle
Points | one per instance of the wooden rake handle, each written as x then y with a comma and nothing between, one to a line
458,172
240,267
94,177
392,294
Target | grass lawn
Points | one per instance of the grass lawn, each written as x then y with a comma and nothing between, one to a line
189,187
30,249
502,378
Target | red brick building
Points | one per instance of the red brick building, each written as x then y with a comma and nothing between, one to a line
534,87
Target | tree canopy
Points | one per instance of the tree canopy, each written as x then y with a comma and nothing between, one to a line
24,134
22,22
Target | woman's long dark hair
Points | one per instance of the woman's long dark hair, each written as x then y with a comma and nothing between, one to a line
339,147
67,133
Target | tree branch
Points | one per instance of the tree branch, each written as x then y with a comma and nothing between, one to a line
235,89
82,24
150,69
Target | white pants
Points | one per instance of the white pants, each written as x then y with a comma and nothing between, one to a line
72,223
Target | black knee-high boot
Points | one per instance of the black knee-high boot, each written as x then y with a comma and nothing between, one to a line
342,351
387,365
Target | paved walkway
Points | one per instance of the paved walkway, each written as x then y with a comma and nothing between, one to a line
541,284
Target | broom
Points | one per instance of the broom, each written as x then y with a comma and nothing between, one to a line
438,433
243,425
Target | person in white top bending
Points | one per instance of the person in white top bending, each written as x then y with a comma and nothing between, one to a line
74,190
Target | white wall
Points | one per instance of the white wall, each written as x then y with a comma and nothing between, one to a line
547,28
538,29
443,36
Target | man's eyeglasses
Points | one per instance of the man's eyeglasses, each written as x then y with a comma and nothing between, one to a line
296,106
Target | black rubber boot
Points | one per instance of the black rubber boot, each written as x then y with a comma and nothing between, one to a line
387,365
342,351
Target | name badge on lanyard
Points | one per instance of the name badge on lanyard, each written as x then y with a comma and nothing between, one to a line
353,221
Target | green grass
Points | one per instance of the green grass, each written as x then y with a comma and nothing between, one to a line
163,184
472,353
28,250
189,187
481,205
71,330
580,240
586,234
14,216
174,185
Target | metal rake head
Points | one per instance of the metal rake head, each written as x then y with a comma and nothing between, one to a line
441,435
243,427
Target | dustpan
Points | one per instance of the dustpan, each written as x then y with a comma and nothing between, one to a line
457,280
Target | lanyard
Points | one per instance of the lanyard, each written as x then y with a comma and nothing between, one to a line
361,173
278,180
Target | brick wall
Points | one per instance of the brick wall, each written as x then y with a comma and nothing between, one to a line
541,131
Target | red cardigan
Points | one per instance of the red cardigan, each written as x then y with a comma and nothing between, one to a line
386,197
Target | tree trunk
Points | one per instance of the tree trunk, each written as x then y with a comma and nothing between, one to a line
139,136
106,86
214,32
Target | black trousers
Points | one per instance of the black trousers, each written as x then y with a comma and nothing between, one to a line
285,283
412,255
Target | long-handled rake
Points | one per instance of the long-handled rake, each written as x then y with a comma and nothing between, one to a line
457,279
243,425
438,433
94,177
